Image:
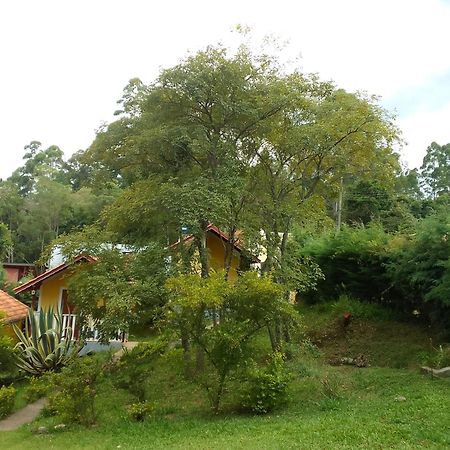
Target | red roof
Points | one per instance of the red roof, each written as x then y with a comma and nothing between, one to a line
221,234
35,282
11,309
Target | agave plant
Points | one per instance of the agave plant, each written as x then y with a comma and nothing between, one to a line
44,345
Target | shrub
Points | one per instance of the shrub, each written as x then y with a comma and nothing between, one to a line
353,262
140,411
266,388
36,389
7,366
134,367
7,397
252,304
359,310
74,391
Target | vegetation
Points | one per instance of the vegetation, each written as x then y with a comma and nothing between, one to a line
226,341
45,345
351,407
266,389
72,392
7,396
7,366
355,253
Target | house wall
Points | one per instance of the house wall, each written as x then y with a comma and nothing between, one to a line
12,274
50,291
216,249
8,329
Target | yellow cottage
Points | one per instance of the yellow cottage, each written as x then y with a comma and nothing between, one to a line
49,290
216,241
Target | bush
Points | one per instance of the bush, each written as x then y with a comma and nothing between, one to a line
134,367
266,388
7,366
140,411
74,391
359,310
36,389
7,397
421,269
354,263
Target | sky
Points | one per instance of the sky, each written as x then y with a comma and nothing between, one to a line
64,64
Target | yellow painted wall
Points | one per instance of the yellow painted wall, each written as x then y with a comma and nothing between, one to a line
8,330
50,292
216,249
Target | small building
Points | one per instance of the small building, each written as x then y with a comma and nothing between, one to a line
16,271
49,290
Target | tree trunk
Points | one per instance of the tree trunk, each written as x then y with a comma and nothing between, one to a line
199,360
186,354
203,253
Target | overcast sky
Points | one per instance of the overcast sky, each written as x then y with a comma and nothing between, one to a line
64,63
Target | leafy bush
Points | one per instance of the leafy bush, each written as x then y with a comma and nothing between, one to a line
421,269
45,345
7,397
353,262
140,411
7,366
266,388
73,392
253,303
134,368
359,310
37,388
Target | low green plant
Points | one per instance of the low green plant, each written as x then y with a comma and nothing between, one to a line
36,389
135,367
45,345
7,397
7,367
140,411
266,388
438,358
73,393
359,310
330,388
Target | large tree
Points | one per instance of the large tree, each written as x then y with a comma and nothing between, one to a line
435,170
239,141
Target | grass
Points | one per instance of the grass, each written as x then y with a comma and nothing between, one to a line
367,416
329,407
383,341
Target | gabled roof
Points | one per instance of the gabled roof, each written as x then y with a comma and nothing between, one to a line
36,282
11,308
222,235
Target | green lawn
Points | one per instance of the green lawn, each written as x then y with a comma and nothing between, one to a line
368,416
359,407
